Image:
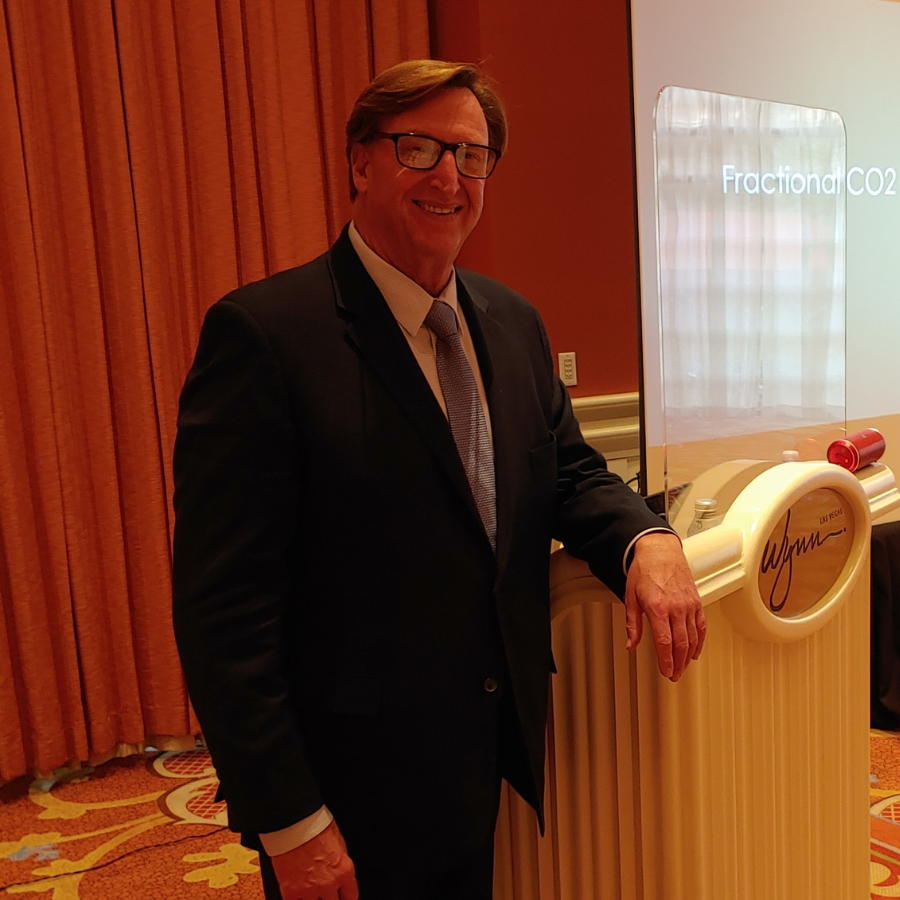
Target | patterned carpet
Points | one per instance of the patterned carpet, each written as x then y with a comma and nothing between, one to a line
148,827
884,793
142,827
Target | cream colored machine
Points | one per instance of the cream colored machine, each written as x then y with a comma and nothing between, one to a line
749,778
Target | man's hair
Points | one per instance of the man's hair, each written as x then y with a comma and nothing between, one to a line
410,83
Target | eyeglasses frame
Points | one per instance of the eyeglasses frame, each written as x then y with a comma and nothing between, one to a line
445,146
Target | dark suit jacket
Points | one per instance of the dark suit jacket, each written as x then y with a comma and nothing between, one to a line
338,607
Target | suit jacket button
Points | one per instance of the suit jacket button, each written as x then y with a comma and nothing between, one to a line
491,685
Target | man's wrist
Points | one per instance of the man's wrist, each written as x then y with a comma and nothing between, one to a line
276,843
629,550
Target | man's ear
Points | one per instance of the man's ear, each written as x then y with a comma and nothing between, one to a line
359,167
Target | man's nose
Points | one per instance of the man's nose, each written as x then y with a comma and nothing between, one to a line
445,174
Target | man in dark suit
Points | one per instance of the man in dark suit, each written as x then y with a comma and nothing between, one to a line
373,455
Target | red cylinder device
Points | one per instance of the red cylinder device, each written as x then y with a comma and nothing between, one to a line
857,450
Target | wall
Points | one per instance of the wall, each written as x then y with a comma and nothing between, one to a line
559,222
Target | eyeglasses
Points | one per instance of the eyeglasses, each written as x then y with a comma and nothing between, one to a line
419,151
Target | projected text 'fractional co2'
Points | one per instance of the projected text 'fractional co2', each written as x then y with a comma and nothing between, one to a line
874,181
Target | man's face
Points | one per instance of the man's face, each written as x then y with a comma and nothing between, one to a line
418,220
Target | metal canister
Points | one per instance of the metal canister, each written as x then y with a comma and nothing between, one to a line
857,450
706,515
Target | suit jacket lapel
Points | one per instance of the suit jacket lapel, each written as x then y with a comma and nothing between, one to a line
372,328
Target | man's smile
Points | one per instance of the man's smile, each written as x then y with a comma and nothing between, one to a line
438,210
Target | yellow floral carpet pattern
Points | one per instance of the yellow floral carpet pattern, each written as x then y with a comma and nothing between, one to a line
149,827
884,797
142,827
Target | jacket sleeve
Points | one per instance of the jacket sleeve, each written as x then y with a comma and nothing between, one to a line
597,514
236,515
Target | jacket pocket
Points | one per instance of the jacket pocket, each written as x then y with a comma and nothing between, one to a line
543,457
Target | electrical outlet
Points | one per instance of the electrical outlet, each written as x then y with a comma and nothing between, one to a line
567,370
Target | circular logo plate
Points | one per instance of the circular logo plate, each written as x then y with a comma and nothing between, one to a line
806,553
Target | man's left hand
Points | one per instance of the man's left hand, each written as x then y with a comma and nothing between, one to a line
660,585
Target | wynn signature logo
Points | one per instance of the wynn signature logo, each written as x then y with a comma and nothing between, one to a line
779,556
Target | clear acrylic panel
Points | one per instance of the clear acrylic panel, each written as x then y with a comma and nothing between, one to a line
751,236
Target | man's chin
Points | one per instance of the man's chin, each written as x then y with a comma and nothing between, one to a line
438,244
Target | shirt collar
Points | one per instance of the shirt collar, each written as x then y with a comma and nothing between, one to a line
408,301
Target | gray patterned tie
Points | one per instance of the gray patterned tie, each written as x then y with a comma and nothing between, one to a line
465,413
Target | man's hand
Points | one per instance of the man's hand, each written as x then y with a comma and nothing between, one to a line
317,870
660,586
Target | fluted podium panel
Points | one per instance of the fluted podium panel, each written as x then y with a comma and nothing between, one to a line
749,778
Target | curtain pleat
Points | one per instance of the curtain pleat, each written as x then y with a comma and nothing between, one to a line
153,156
43,678
397,30
342,61
88,574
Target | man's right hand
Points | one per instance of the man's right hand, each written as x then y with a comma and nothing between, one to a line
320,869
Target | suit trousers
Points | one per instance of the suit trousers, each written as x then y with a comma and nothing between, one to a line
473,880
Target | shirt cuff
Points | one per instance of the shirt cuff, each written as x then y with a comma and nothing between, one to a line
275,843
629,550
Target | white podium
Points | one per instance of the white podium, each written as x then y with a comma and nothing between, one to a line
747,780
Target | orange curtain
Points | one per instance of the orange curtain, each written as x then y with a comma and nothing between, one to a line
152,157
